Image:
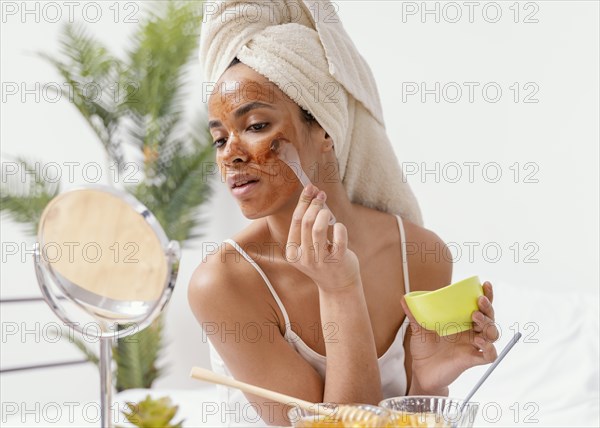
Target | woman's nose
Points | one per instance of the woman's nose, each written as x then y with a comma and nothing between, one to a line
234,151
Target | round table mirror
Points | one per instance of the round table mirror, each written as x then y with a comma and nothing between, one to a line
103,251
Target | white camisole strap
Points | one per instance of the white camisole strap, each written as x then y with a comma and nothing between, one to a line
276,297
404,258
240,250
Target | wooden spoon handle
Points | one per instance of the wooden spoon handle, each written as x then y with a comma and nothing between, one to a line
212,377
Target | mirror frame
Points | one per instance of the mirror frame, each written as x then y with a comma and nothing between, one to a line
171,251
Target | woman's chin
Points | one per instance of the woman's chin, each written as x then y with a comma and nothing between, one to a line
254,208
264,202
258,208
252,215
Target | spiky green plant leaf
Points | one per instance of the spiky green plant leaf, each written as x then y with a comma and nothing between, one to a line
181,187
81,345
25,194
92,77
157,65
137,356
141,102
152,413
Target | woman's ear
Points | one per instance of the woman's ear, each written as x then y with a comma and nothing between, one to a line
327,142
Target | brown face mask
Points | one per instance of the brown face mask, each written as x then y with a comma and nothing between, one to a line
253,139
268,153
289,155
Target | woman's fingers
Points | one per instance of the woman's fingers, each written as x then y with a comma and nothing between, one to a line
319,233
308,222
488,291
307,237
295,233
485,325
486,307
484,318
488,350
340,239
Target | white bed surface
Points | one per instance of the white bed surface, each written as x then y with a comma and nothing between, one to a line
549,379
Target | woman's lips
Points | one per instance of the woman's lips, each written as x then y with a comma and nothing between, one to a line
245,189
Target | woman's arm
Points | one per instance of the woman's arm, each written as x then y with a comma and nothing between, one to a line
244,331
219,300
352,370
434,362
428,272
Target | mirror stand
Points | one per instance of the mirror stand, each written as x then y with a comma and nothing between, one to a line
106,336
105,381
122,295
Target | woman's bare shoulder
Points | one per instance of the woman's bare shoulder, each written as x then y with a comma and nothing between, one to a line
430,260
223,280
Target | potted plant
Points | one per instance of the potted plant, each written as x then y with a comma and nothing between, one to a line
148,116
150,413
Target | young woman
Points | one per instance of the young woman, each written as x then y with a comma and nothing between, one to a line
307,309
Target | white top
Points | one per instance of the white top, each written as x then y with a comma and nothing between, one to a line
235,408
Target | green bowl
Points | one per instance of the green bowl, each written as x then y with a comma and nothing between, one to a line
447,310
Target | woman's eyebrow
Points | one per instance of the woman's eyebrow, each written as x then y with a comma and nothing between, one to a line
214,124
241,111
251,106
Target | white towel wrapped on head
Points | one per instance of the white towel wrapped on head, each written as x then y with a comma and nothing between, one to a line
302,47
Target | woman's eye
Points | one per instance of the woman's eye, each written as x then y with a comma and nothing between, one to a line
218,143
257,126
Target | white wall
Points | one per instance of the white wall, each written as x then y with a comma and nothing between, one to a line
553,220
558,135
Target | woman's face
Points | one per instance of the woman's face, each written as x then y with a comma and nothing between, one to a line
248,117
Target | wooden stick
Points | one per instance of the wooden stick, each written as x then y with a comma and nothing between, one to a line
211,377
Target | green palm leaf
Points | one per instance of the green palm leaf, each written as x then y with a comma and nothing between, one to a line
182,185
91,74
136,357
157,66
139,100
25,194
82,346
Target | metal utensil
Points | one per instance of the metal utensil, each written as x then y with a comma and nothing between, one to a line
489,371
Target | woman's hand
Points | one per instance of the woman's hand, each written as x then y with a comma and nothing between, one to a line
331,265
438,361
